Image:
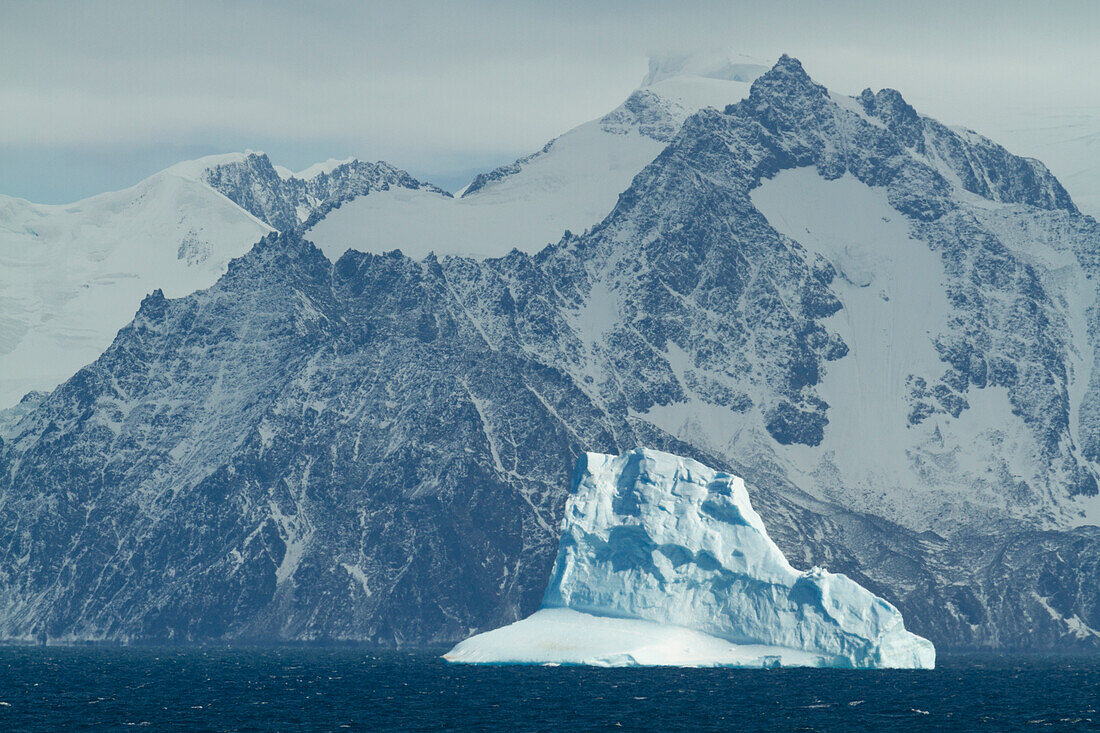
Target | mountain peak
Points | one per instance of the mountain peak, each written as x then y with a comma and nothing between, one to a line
785,93
788,62
787,74
887,104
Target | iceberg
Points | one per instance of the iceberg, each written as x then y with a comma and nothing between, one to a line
663,561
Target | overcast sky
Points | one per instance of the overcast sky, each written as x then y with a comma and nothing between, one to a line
95,96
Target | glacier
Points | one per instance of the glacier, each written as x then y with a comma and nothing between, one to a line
663,561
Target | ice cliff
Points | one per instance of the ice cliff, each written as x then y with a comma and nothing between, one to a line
664,561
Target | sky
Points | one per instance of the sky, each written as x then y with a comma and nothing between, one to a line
95,96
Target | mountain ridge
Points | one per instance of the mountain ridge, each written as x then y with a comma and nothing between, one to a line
73,273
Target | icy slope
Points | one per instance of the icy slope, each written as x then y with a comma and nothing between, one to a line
895,307
652,537
72,275
571,184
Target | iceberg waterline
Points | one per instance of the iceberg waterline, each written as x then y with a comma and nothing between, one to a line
663,561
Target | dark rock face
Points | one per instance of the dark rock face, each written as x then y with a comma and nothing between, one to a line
289,203
379,449
350,464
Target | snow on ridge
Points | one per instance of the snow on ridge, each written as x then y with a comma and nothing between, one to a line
197,168
188,170
175,230
327,166
693,93
570,184
170,231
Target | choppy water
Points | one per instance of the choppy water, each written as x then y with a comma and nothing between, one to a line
55,689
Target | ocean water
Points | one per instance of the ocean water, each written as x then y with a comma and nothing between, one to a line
292,689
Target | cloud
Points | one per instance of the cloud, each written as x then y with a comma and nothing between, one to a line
431,85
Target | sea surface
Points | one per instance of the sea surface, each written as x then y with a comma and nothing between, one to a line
294,689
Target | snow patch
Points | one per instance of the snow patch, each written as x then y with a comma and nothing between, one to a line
358,576
894,306
295,536
1073,623
572,188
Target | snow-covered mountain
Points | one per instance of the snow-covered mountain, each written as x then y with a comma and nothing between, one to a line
663,561
72,275
570,184
377,448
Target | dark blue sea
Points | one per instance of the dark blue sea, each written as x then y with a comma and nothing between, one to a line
64,689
